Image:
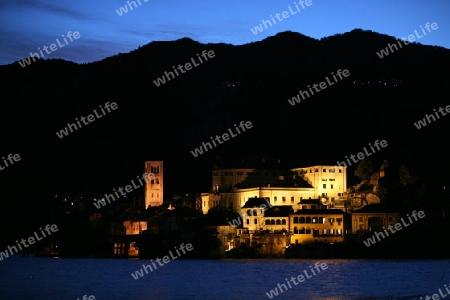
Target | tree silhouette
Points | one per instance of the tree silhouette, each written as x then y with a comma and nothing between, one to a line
365,169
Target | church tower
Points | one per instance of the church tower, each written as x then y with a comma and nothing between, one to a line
154,185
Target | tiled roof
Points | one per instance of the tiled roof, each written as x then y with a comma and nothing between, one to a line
319,211
376,208
255,202
279,211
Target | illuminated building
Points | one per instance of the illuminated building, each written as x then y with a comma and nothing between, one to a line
322,225
233,187
154,187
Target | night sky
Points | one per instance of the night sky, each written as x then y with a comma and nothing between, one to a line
27,25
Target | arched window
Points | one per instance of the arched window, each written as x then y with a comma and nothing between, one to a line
308,219
283,222
278,222
249,212
272,222
267,222
255,213
295,220
302,220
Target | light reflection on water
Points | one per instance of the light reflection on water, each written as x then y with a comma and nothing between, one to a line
224,279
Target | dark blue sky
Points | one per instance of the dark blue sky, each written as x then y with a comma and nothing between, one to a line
29,24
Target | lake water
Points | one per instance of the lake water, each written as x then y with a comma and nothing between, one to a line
56,278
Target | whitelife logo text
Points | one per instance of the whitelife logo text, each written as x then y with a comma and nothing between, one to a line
161,80
27,61
397,226
225,137
318,87
300,278
285,14
430,118
124,9
89,119
411,38
31,240
361,155
128,189
11,158
165,260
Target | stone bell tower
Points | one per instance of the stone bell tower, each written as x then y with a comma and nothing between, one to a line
155,185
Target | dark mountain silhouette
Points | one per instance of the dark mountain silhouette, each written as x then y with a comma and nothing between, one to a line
381,99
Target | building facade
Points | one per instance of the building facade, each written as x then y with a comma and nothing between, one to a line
154,187
322,225
373,217
233,187
330,182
